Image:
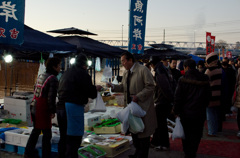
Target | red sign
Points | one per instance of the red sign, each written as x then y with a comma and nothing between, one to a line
229,54
208,43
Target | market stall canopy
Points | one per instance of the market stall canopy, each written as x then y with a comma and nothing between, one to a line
36,42
72,30
162,46
92,47
163,53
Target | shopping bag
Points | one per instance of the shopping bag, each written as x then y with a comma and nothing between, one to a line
178,131
136,110
136,124
115,81
99,105
122,116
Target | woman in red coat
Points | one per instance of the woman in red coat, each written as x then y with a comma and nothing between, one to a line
43,108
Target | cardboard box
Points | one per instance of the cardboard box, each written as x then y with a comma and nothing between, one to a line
108,130
16,137
87,128
116,148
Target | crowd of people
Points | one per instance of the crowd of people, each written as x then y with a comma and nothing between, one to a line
196,92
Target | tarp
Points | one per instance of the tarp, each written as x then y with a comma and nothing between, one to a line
195,58
35,42
162,46
92,47
163,53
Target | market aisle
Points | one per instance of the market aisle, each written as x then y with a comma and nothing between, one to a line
226,145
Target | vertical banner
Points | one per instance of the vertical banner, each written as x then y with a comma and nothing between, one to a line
208,43
137,24
12,21
212,43
229,54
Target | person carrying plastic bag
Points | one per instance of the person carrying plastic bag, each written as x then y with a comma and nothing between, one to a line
138,86
190,102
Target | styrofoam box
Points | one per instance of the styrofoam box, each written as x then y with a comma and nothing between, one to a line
16,137
18,108
91,119
103,115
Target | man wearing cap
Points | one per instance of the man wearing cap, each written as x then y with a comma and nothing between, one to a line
138,86
75,87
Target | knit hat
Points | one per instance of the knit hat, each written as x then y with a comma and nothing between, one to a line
211,57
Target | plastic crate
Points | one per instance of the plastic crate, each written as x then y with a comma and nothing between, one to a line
21,150
10,148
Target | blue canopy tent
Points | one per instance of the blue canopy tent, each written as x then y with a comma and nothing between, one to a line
36,42
196,58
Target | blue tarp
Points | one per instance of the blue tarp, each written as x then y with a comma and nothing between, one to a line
196,58
2,130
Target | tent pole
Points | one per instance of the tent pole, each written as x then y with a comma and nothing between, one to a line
94,70
118,66
5,79
11,79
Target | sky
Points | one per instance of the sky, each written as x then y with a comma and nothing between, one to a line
182,20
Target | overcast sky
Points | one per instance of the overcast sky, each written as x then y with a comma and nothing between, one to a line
181,19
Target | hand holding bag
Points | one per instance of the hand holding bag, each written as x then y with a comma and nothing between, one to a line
178,131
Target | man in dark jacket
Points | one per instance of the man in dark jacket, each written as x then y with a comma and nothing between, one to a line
75,87
231,81
163,98
190,102
175,72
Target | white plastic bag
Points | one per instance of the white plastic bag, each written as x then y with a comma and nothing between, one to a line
136,124
122,116
42,69
178,130
107,73
99,105
115,81
98,64
136,110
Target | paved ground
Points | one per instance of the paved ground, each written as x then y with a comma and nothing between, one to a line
228,136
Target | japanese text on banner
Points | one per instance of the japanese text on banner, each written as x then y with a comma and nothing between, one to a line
138,10
12,21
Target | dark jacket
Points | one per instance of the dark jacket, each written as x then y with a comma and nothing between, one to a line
164,90
176,74
75,86
192,95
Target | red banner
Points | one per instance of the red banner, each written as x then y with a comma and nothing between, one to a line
223,53
208,43
212,44
229,54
